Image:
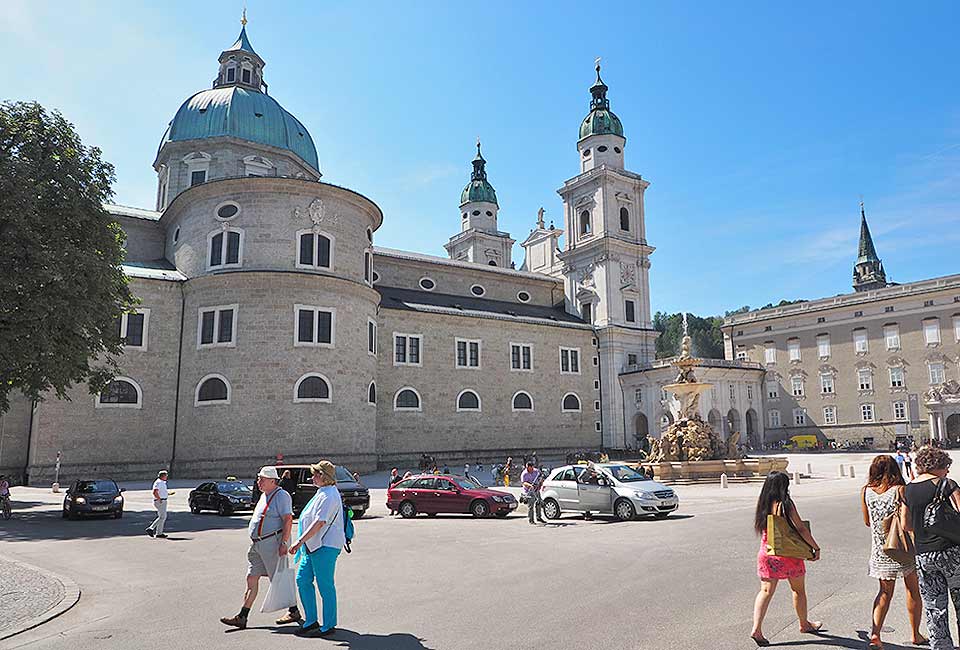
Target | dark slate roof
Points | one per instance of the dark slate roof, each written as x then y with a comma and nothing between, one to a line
160,269
442,303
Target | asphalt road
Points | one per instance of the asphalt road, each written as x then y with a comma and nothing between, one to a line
457,583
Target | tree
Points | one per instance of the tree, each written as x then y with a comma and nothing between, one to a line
705,335
60,254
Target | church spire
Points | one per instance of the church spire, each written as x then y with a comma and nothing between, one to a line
240,65
868,270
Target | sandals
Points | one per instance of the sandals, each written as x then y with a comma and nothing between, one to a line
875,643
815,627
760,641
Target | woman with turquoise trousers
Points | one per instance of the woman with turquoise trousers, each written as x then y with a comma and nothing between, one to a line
320,537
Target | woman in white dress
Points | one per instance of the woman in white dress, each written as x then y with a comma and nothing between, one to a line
880,497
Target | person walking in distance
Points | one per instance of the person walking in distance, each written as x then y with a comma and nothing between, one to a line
160,496
775,499
269,532
531,480
506,471
879,500
938,558
393,480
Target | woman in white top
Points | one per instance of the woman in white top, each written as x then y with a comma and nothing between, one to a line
320,538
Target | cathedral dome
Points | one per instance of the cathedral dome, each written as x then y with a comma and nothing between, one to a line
600,120
479,188
242,113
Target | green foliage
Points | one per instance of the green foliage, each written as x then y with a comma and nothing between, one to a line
62,289
705,335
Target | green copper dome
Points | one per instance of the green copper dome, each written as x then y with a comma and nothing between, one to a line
601,120
478,189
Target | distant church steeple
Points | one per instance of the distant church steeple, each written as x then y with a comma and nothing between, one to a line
868,273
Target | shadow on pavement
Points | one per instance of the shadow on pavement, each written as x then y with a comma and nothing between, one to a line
823,640
357,641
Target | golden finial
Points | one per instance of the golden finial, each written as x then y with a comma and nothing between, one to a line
243,18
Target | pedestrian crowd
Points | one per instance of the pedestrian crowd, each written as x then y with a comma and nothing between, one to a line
912,509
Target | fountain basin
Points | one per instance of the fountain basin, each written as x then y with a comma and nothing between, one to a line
703,470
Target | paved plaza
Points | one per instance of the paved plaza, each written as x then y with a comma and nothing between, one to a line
457,583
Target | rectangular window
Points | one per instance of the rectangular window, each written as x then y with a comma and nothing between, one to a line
586,311
773,390
793,347
314,250
629,308
245,75
596,405
799,417
829,414
197,177
896,377
521,356
371,337
631,359
406,349
468,353
796,386
569,361
936,373
888,309
769,353
928,303
891,334
749,391
774,417
638,395
231,74
931,331
217,326
132,329
733,393
313,325
823,346
220,258
864,379
826,384
860,341
956,328
899,410
866,412
367,267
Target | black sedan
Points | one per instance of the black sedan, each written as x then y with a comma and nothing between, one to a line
226,497
93,497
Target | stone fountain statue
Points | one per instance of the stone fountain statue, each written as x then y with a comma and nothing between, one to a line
688,438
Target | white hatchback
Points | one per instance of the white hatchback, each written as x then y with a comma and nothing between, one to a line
606,488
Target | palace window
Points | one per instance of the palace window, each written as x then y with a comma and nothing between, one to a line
406,349
371,337
122,392
899,410
624,219
569,361
231,74
931,331
212,389
245,75
585,228
956,328
468,400
586,311
570,403
638,395
860,343
521,356
406,399
793,347
799,417
198,177
866,412
630,310
217,326
468,353
773,390
132,329
733,393
372,393
796,386
225,248
896,377
865,379
774,418
829,414
631,359
769,353
936,373
522,401
312,387
826,383
314,250
891,334
823,346
313,326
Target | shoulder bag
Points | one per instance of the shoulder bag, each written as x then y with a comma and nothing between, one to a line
897,542
784,540
940,517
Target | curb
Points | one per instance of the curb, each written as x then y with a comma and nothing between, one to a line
71,596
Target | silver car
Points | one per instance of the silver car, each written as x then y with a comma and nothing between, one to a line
607,488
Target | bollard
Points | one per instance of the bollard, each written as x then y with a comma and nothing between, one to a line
809,469
723,481
852,474
796,477
843,471
55,487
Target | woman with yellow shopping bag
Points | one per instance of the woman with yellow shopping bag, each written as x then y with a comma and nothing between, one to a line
785,542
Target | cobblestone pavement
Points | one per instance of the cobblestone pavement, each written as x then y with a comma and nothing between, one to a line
27,595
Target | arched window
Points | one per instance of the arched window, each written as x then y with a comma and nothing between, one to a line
226,248
406,399
372,393
122,392
212,389
314,250
522,401
585,228
468,400
312,387
624,219
571,403
492,262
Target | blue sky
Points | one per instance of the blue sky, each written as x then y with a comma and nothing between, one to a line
758,125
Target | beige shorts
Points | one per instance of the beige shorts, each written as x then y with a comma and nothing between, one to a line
262,557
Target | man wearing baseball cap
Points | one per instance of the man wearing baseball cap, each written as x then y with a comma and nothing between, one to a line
269,532
160,494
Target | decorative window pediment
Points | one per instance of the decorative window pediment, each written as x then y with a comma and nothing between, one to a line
897,361
827,369
864,364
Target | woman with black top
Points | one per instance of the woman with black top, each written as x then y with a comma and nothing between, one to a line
938,558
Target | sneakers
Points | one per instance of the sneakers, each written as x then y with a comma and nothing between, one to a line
235,621
160,536
149,531
290,617
308,630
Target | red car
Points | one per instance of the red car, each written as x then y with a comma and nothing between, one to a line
435,494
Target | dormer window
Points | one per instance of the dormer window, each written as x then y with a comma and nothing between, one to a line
231,74
245,75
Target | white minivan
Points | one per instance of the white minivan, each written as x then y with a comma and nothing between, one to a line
606,488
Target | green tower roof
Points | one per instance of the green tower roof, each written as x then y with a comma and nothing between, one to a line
478,189
600,120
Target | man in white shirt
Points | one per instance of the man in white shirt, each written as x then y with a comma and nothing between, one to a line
160,495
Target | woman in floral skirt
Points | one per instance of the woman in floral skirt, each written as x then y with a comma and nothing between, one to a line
775,499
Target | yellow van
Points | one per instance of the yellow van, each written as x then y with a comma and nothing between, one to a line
808,441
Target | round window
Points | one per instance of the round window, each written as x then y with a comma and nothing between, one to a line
176,235
476,212
477,290
227,211
489,214
617,149
586,152
427,284
464,215
523,296
602,148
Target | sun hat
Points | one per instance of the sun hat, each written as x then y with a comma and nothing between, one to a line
269,472
326,468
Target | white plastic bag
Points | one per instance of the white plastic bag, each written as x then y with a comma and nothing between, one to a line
282,593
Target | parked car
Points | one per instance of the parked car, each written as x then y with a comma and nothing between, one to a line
226,497
354,495
100,496
607,488
447,493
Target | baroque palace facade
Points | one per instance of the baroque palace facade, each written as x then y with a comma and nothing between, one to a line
873,367
269,324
